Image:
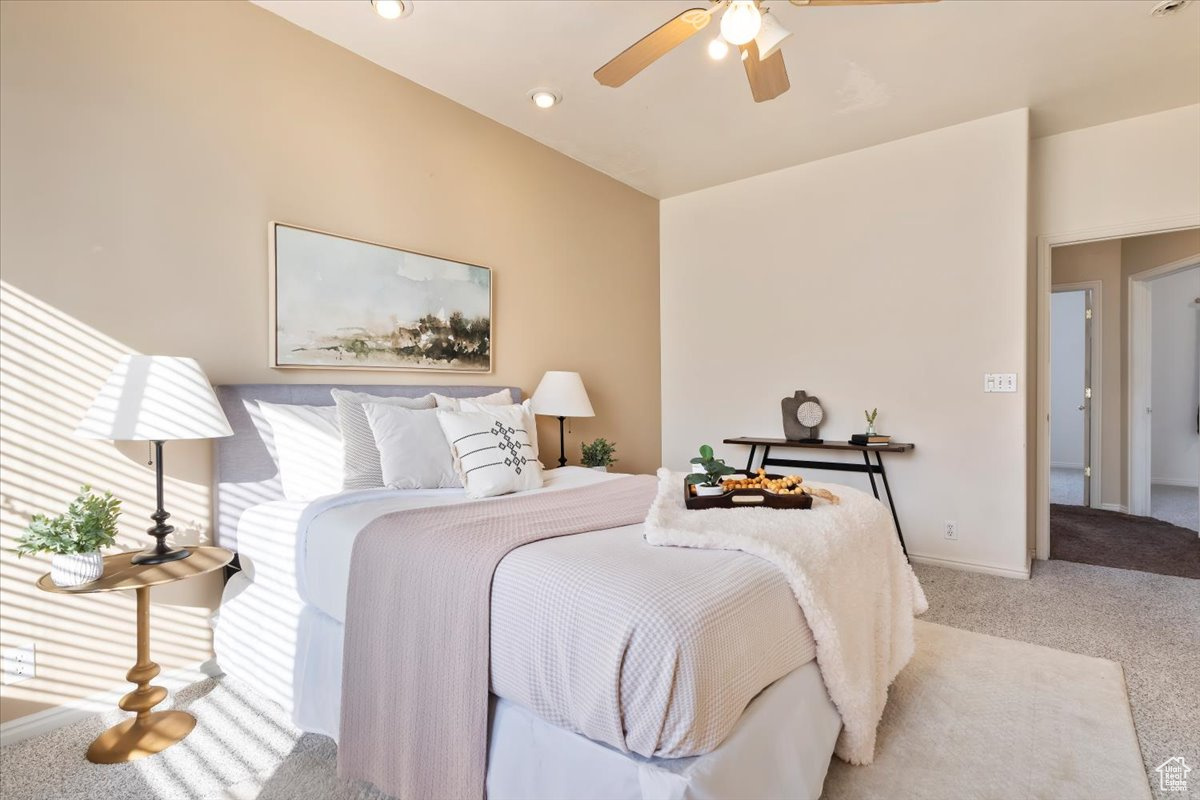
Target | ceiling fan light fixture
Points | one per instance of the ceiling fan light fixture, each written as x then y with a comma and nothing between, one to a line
718,48
544,98
741,22
771,35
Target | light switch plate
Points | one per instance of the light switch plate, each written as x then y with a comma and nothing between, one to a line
1000,382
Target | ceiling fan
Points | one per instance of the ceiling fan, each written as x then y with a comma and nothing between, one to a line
745,24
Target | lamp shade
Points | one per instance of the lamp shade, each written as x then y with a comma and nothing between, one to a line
770,36
155,398
561,394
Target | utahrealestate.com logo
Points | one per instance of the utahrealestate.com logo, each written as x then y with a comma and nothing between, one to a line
1172,774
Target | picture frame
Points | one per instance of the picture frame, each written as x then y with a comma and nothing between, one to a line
338,302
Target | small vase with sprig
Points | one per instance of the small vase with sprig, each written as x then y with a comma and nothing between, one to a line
871,415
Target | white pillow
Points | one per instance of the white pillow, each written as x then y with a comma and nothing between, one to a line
361,469
500,398
518,415
413,452
308,449
494,456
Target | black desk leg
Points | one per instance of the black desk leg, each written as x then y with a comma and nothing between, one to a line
871,473
766,454
891,503
750,460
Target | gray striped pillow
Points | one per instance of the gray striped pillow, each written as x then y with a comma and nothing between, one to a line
361,468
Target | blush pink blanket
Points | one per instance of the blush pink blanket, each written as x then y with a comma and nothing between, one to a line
416,652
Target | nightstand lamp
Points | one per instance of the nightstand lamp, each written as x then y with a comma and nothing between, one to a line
561,394
156,399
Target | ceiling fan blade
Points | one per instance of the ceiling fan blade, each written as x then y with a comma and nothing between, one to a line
854,2
768,77
653,46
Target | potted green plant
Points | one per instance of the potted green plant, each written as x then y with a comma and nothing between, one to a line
74,538
709,472
599,454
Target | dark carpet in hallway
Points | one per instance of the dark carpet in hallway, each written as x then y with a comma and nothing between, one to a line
1112,539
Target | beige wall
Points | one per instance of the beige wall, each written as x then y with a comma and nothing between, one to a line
1112,262
892,277
144,147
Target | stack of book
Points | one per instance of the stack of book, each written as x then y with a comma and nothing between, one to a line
873,439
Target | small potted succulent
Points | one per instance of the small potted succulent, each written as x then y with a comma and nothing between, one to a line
599,454
74,538
708,473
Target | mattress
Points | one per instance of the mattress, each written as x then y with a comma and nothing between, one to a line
687,637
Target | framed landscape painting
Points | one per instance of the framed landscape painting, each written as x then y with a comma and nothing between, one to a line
344,303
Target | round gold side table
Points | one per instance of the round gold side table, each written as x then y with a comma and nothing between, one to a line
149,732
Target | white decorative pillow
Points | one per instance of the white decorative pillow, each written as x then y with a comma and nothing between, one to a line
413,453
308,449
500,398
361,469
494,457
518,415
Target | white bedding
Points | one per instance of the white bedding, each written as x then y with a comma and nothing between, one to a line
334,523
281,628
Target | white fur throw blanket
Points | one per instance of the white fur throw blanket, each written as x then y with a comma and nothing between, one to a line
849,575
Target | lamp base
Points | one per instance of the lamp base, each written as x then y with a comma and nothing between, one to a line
160,554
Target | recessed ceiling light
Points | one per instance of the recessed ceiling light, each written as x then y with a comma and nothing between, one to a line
544,98
1167,7
392,9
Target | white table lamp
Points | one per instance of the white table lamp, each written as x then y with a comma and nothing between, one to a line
561,394
156,399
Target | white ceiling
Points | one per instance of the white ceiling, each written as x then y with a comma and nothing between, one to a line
860,75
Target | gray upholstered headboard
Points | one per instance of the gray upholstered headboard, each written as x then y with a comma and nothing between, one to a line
244,471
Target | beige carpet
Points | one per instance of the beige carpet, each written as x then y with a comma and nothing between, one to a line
975,716
972,716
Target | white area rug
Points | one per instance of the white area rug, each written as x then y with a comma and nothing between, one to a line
971,716
975,716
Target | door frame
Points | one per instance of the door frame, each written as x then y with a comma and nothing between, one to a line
1139,425
1041,442
1094,448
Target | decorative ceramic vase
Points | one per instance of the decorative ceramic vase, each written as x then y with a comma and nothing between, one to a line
601,468
709,491
76,568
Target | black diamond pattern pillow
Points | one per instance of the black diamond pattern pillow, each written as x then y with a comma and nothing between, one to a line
493,451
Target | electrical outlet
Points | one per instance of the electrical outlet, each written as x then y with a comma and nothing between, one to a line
18,663
952,530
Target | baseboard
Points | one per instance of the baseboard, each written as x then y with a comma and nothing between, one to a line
1184,482
972,566
1064,465
47,720
1114,507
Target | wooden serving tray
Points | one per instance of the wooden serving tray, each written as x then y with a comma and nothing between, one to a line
746,498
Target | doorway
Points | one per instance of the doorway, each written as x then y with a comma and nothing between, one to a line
1164,393
1073,316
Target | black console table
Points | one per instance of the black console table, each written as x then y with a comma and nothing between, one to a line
841,466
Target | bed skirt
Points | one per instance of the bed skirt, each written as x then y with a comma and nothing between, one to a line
780,747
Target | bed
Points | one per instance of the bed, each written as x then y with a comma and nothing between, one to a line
685,616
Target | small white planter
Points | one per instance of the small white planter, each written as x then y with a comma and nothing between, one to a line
76,569
709,491
600,469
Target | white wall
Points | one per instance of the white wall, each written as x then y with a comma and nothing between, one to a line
1066,378
1133,170
1175,360
892,276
